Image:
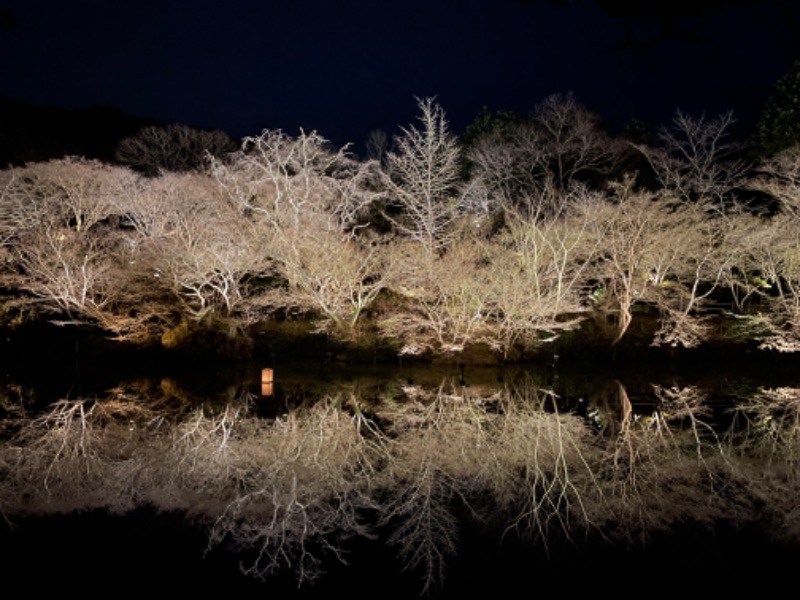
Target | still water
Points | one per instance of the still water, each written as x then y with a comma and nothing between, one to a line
308,478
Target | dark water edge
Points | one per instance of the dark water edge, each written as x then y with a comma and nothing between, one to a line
71,361
95,555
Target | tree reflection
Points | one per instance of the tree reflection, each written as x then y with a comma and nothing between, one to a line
290,492
764,439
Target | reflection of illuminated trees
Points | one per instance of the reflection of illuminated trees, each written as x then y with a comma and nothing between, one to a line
74,460
300,486
660,463
289,492
288,489
541,467
432,475
767,426
457,456
764,437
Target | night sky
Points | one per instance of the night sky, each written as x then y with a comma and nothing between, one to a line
345,68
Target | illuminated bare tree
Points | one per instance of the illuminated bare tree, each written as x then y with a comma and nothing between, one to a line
540,266
309,202
698,251
334,274
71,193
513,291
194,244
65,249
443,303
66,271
779,176
659,252
774,253
627,231
278,178
421,180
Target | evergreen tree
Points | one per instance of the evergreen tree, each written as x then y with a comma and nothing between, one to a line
778,128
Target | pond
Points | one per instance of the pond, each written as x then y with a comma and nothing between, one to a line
302,478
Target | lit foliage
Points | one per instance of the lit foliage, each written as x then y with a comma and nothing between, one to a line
510,254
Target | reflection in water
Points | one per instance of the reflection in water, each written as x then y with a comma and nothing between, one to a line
413,466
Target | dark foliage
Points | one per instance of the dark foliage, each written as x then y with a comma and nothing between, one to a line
31,133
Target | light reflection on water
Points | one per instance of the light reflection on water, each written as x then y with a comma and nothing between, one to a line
416,455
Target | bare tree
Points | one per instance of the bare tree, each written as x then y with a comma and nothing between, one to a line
278,178
513,291
699,251
575,145
779,177
65,271
772,252
70,193
195,244
643,244
377,145
421,180
536,162
309,203
696,161
442,303
766,277
65,249
541,265
330,273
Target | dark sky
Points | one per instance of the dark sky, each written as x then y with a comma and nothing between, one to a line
347,67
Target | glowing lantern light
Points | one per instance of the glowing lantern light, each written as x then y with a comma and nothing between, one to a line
266,382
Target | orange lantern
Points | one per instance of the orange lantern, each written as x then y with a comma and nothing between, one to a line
266,382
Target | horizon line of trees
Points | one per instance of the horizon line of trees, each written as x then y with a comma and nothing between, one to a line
509,236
